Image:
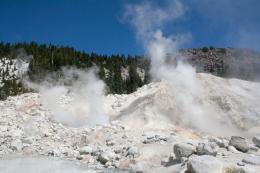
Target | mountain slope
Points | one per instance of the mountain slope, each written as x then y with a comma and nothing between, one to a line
224,105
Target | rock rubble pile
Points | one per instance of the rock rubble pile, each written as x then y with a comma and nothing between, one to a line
27,129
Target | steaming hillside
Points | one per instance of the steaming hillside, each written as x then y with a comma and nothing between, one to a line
181,121
142,130
230,105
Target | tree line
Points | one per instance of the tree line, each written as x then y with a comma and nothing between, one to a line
52,58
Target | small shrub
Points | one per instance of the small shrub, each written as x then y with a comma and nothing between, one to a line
205,49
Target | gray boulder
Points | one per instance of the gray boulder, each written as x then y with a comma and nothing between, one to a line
209,148
204,164
183,150
239,143
256,141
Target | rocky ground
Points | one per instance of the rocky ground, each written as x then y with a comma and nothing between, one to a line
27,129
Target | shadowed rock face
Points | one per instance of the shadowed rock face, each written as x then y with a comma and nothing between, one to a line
226,62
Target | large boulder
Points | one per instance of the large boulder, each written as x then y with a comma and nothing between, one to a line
239,143
256,141
209,148
204,164
183,150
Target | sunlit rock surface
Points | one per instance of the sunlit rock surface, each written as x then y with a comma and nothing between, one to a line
144,126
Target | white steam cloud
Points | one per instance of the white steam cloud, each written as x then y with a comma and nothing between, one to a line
146,19
149,20
76,100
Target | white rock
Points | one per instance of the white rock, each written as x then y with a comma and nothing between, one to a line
183,150
233,150
165,161
85,150
133,151
124,136
239,143
108,164
3,128
253,148
209,148
110,142
204,164
104,157
162,137
16,145
88,159
240,164
256,141
28,140
220,142
79,157
17,133
253,160
118,150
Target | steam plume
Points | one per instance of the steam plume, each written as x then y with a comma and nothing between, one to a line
84,105
148,21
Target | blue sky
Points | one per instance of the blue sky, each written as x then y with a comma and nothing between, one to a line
96,25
